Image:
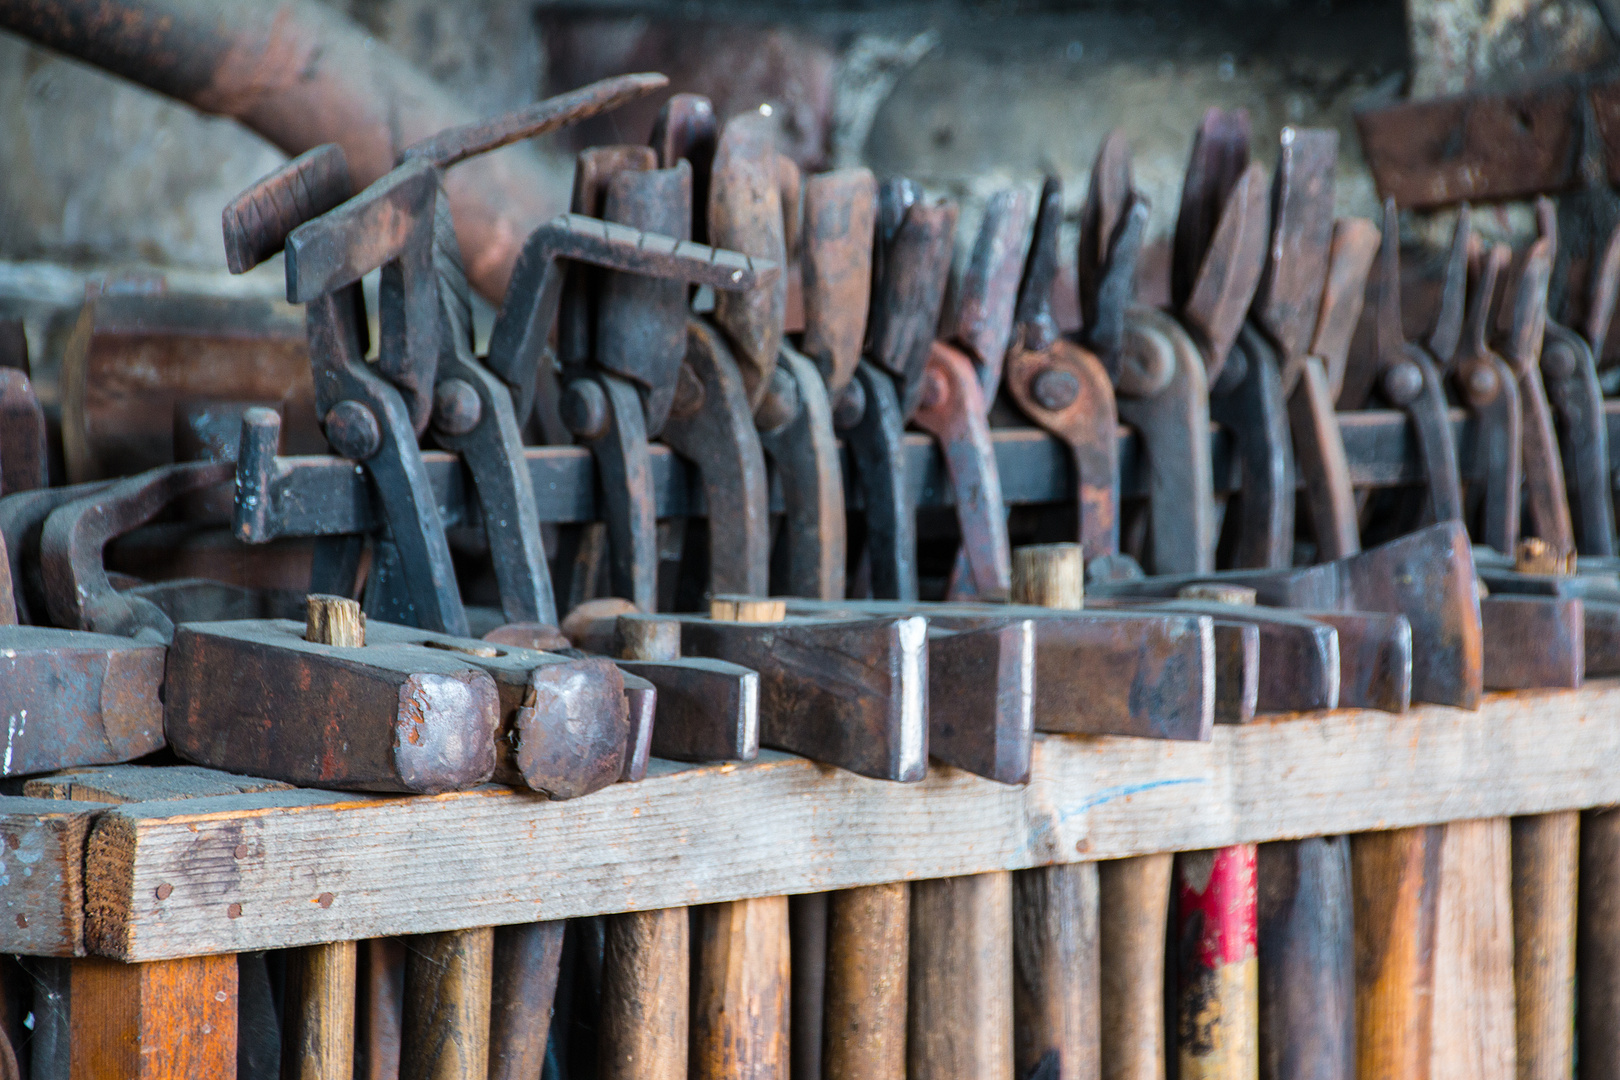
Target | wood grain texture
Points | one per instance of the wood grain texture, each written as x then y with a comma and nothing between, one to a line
318,1036
646,985
1597,956
1133,909
447,996
1049,575
1473,954
1396,880
740,991
1546,860
1307,960
807,926
42,875
380,1008
960,1022
145,783
868,961
153,1021
1056,969
334,620
523,988
496,856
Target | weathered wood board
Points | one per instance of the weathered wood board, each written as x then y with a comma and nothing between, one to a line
42,875
253,871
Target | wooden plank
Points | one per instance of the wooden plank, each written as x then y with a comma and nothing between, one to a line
154,1021
42,875
145,783
689,835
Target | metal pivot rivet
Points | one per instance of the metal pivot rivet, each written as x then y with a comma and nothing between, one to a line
352,430
1055,389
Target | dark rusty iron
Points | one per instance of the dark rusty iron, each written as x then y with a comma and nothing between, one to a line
1350,262
952,408
1041,359
840,214
959,385
810,473
1288,298
1533,642
1096,672
78,591
1111,226
1428,576
708,710
1547,496
72,698
257,222
686,129
457,144
1488,146
1409,379
255,697
846,692
1172,426
745,214
910,267
975,674
1375,658
1249,402
1219,158
872,426
23,459
1487,386
565,721
716,433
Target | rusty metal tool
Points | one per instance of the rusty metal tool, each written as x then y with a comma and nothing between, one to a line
840,217
23,459
411,711
911,262
960,379
846,692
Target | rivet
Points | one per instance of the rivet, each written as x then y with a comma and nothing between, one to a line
164,890
234,911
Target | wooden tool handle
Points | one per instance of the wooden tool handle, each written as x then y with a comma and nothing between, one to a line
1217,1008
1395,876
645,991
1598,949
1055,933
807,926
741,966
319,1035
1307,960
447,998
1546,853
960,1019
864,1023
1473,1013
1133,902
523,987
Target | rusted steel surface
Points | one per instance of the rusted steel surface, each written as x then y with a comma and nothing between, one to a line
745,214
75,698
988,293
456,144
1487,146
686,128
1288,298
1218,161
257,222
1096,672
1064,388
388,717
846,692
1112,221
1350,261
951,407
1488,387
810,473
1533,642
840,215
712,426
981,699
1375,658
1248,401
910,268
565,723
1570,375
23,460
1546,494
77,589
708,710
1428,576
133,359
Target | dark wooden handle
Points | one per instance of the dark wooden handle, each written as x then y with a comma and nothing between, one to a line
740,990
258,220
447,997
523,987
320,1001
1056,966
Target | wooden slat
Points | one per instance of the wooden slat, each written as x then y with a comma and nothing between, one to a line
690,835
42,875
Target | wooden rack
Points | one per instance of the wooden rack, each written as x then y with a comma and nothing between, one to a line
163,877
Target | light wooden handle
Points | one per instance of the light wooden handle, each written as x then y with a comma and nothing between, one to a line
320,1016
960,1022
1133,902
447,996
334,620
645,995
864,1024
1546,851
